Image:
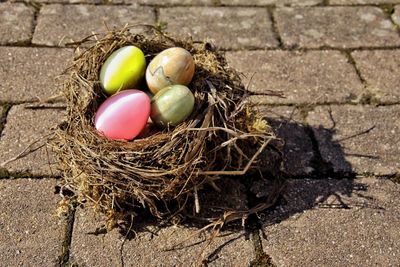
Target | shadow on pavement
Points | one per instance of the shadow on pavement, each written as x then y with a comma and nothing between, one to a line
300,159
303,181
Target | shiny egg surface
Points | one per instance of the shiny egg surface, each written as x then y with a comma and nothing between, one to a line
123,115
172,66
123,69
172,105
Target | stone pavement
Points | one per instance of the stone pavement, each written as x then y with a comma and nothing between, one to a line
337,63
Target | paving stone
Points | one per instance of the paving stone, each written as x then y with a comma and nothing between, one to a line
355,2
16,23
30,74
229,28
361,139
232,197
61,24
336,223
303,77
25,126
30,233
91,2
177,2
380,70
396,15
149,246
353,27
272,2
298,151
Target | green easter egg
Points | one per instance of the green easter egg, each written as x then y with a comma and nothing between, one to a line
172,105
123,69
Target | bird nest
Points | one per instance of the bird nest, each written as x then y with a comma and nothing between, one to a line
168,168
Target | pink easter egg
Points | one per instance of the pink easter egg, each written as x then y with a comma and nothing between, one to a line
123,115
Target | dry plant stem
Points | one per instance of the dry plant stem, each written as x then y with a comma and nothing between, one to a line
27,150
241,172
196,199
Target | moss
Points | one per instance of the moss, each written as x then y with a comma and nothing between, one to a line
4,173
34,4
396,178
369,98
64,259
304,110
70,264
387,8
262,259
162,25
3,116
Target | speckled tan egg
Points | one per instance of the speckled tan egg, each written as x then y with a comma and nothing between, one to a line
174,65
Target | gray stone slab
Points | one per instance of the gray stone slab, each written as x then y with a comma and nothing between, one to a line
61,24
272,2
24,127
16,23
176,2
339,27
361,139
336,223
90,2
31,74
229,28
380,70
303,77
362,2
396,15
30,232
297,150
150,245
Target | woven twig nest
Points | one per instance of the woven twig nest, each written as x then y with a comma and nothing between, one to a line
165,170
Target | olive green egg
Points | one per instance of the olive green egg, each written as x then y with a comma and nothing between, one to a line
172,105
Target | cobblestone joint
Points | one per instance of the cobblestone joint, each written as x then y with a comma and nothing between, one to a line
363,61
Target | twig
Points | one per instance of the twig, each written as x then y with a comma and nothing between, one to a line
196,200
27,150
241,172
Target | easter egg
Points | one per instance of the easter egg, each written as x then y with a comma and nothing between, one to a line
172,105
172,66
123,69
123,115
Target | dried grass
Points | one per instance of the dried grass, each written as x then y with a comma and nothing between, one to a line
162,171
